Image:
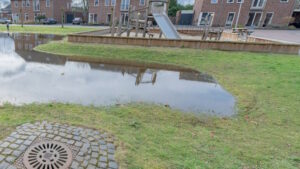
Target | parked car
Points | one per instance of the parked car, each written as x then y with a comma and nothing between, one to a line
77,21
4,21
49,21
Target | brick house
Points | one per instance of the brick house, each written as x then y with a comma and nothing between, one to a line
28,10
101,11
253,13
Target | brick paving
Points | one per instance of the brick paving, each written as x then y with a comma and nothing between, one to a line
91,149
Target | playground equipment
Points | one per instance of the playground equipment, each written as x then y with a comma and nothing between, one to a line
141,21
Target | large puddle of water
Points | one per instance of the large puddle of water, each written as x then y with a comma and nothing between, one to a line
31,77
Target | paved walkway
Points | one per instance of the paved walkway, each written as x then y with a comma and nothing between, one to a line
89,148
286,36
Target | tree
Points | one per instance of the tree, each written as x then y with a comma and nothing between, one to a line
174,7
85,8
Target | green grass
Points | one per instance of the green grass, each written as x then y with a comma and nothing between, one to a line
46,29
264,134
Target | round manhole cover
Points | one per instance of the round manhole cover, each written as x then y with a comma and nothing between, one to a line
48,155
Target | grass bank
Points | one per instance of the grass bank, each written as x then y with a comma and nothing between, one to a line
43,29
264,134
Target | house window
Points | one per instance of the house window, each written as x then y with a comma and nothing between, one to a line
113,2
125,4
230,1
23,3
93,18
284,1
26,17
69,5
142,2
214,1
205,18
108,19
258,3
240,1
15,18
16,4
124,18
36,5
48,3
268,19
106,2
96,3
230,19
27,3
254,19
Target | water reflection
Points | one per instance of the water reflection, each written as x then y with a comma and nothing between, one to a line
27,76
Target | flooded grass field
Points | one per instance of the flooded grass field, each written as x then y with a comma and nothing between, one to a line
28,77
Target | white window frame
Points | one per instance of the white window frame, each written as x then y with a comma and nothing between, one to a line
16,3
258,7
213,1
239,1
230,1
26,17
47,3
23,3
113,2
255,13
284,1
125,5
27,3
92,19
270,22
96,2
107,21
124,16
200,18
232,19
35,2
106,2
142,4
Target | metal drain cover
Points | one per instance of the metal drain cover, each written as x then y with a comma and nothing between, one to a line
48,155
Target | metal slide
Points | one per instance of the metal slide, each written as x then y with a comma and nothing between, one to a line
166,26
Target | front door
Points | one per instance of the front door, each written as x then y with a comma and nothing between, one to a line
268,19
124,18
254,19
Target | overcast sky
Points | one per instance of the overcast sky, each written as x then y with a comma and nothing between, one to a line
186,2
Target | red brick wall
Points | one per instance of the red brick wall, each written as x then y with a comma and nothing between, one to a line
102,11
282,11
54,11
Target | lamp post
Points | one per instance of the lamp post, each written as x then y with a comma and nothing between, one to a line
238,16
21,15
62,17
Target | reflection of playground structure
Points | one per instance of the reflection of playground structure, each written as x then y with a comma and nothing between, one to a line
138,71
140,75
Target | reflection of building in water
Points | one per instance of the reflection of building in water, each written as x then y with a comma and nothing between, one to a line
32,56
142,74
193,76
29,41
